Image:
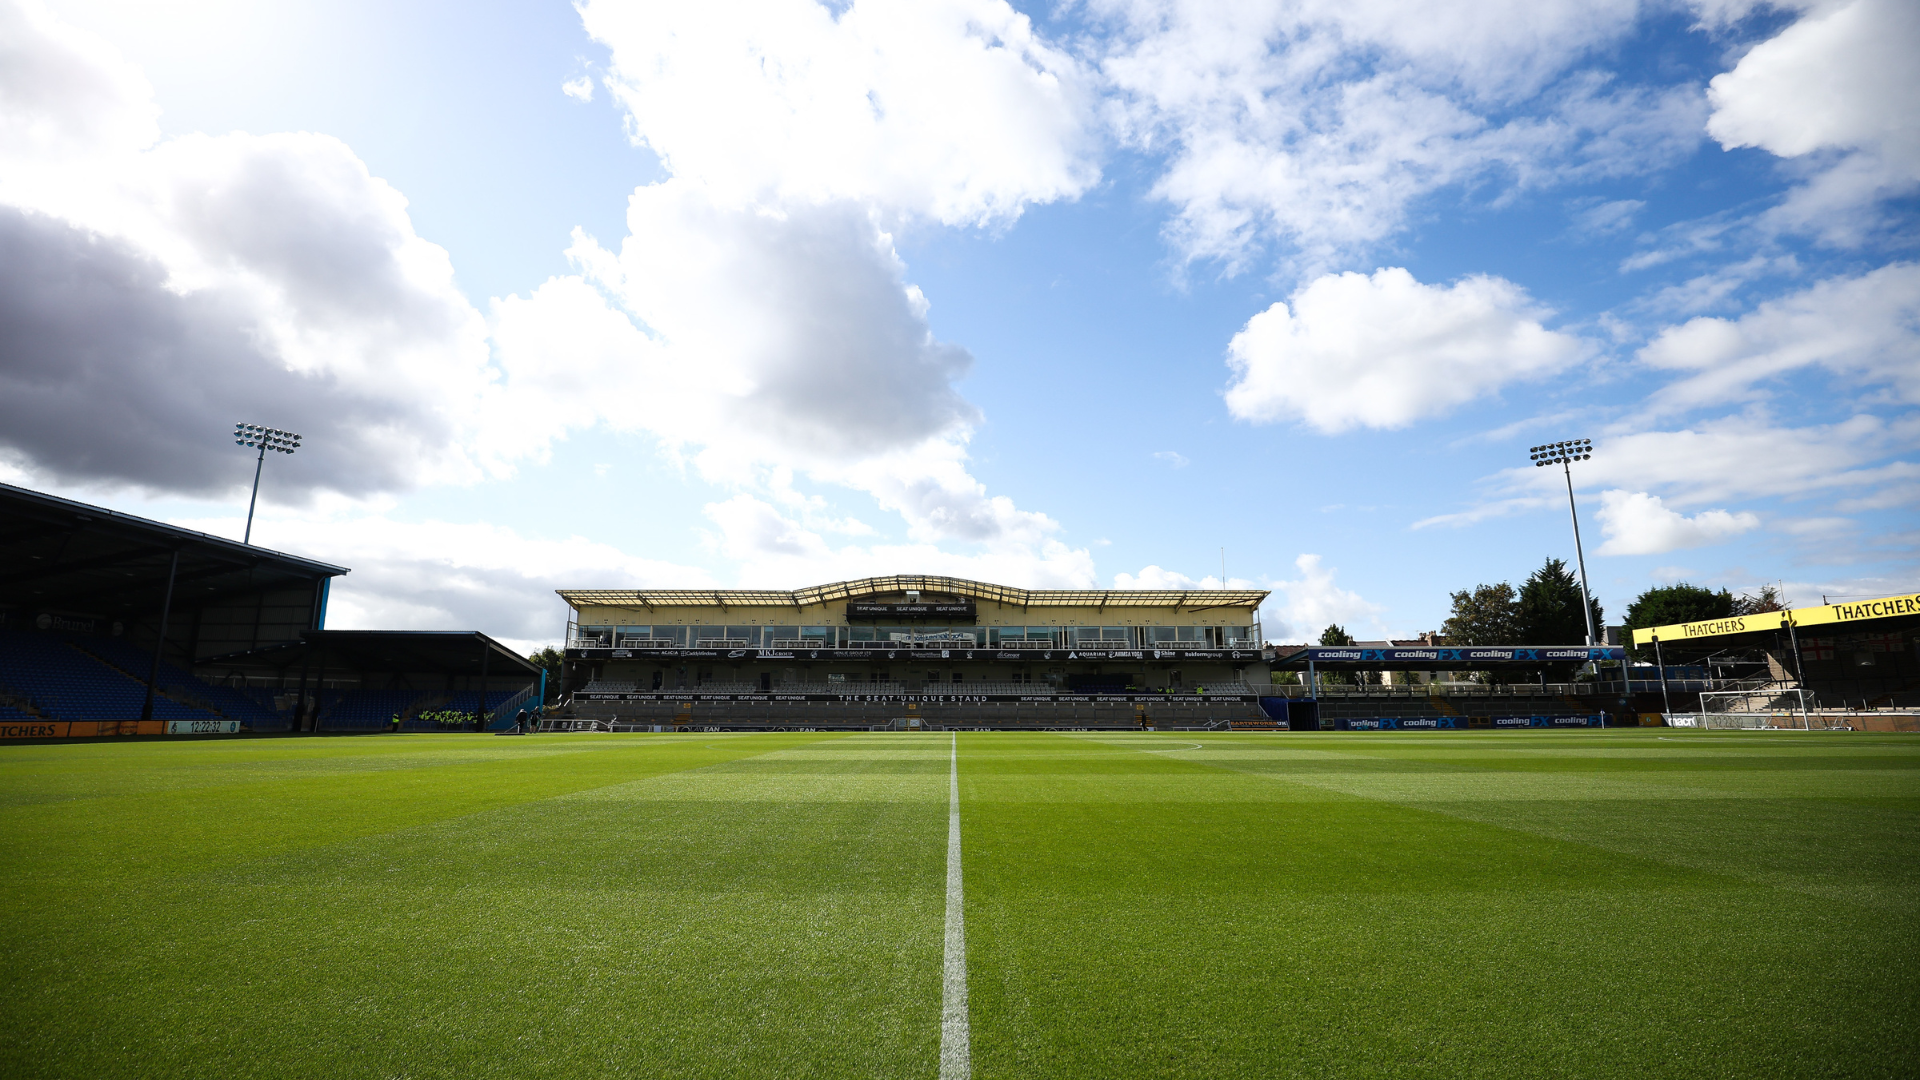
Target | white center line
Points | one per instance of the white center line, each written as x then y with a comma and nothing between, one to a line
956,1057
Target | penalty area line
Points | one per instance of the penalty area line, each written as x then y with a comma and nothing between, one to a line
956,1058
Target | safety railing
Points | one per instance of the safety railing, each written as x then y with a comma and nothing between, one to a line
509,710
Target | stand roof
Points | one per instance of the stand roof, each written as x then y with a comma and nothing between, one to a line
898,583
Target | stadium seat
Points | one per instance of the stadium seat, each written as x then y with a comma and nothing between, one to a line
65,683
224,701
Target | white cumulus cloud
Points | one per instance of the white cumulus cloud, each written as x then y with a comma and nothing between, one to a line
773,550
952,109
1157,577
1750,456
1865,329
757,318
1311,602
755,339
1316,126
155,293
1841,79
1741,457
441,575
1383,350
1298,609
1636,523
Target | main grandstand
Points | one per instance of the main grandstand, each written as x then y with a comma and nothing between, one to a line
112,624
913,651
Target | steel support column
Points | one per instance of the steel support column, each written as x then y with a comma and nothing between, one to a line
166,606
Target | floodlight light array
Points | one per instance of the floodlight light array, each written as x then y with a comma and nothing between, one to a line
265,438
1563,453
1557,452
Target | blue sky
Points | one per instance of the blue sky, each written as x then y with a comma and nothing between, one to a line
1083,295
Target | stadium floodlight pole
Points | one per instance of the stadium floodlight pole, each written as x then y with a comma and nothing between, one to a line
266,438
1564,454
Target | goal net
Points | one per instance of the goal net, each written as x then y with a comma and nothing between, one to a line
1760,707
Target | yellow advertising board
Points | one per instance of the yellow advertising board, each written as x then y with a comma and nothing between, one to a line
78,729
1888,607
34,729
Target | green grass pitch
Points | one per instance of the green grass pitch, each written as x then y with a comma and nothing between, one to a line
1577,904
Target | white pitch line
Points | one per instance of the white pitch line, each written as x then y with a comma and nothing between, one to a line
956,1056
1176,749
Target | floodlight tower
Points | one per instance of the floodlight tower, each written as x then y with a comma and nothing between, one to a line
1563,454
266,438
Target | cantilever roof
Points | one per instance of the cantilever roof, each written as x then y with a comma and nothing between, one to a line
862,587
63,555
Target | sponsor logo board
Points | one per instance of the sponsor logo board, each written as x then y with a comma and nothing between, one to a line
203,727
858,609
1888,607
1448,657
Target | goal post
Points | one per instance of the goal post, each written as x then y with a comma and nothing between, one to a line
1761,707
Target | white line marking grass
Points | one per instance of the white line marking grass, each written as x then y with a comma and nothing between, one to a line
956,1058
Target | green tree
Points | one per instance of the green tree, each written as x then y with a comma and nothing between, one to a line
1665,605
1489,615
1548,610
550,660
1335,634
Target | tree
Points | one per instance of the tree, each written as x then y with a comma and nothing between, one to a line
1665,605
1489,615
1767,598
1548,612
550,660
1668,604
1335,634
